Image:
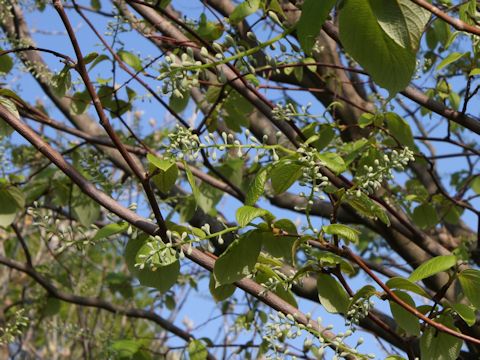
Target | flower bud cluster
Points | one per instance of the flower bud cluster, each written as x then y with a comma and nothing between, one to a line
277,332
382,169
358,311
311,176
284,112
182,74
184,143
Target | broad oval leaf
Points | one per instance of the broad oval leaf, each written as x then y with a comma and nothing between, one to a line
247,213
433,266
264,273
343,231
416,18
314,14
166,173
399,129
191,181
405,284
162,279
131,59
243,10
470,281
406,320
437,345
284,174
109,230
392,21
466,312
6,63
197,350
220,292
256,188
61,82
238,260
390,65
333,161
366,292
450,58
425,216
12,200
332,295
6,129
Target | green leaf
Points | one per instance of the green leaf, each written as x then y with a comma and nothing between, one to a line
328,259
466,312
325,135
6,63
332,295
451,58
279,246
162,279
238,260
400,129
275,243
416,18
433,266
95,4
366,292
131,59
191,181
437,345
61,82
284,174
406,320
90,57
265,273
390,18
247,213
425,216
470,281
98,60
12,201
166,172
5,129
209,30
119,282
236,109
365,119
314,14
405,284
475,185
126,348
163,255
474,72
368,208
84,209
197,350
390,65
220,292
179,103
402,20
80,102
256,188
109,230
243,10
333,161
52,306
343,231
